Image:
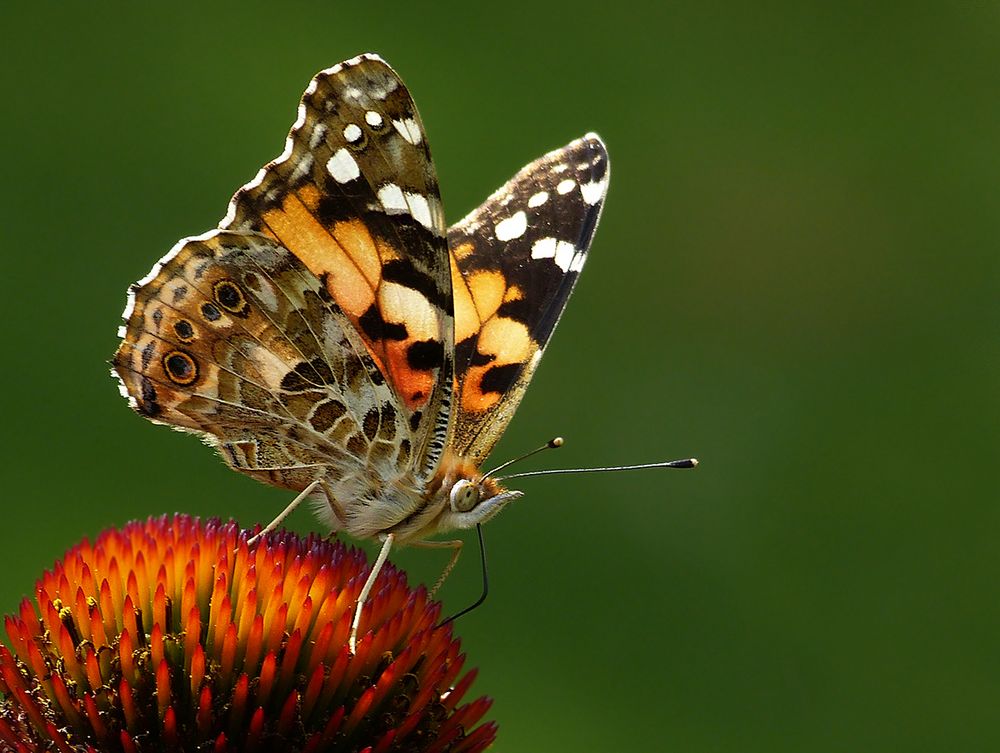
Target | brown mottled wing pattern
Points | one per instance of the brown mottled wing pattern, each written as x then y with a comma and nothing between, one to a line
232,337
514,263
355,198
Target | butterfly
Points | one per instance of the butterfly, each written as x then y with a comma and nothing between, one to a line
333,337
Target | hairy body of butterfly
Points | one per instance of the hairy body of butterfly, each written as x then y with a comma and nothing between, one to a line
334,337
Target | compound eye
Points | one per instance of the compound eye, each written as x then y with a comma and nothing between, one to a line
464,495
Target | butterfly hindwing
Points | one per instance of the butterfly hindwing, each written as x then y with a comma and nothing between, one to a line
354,196
232,337
515,261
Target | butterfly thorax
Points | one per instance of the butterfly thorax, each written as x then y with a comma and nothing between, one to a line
457,496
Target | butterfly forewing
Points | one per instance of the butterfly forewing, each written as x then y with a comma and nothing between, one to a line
515,262
355,198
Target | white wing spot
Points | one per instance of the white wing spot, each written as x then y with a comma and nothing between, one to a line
577,264
538,199
512,227
409,130
561,168
271,195
302,168
565,252
593,192
565,186
373,119
342,166
352,132
392,199
543,248
318,135
420,209
562,252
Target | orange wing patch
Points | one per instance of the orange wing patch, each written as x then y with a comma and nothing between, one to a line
294,225
517,258
355,198
395,322
502,344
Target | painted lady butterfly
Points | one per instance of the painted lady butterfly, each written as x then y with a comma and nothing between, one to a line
335,338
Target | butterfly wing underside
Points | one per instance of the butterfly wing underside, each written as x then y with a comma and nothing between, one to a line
355,197
231,337
313,330
515,261
331,324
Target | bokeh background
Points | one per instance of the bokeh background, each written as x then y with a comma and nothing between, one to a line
795,280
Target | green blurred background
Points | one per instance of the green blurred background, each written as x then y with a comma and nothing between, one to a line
795,280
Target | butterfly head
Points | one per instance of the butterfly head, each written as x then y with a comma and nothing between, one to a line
473,498
475,501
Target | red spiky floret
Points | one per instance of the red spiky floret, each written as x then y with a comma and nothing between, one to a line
174,634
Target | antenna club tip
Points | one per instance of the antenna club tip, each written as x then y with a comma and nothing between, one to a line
694,462
556,442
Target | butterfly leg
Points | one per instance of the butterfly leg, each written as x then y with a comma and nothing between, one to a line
456,546
363,597
287,511
336,507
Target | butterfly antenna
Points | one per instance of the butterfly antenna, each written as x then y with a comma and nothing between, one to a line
686,463
550,445
486,581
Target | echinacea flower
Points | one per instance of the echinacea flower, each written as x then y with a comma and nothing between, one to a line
174,634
